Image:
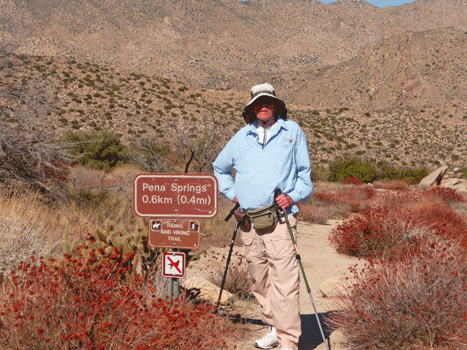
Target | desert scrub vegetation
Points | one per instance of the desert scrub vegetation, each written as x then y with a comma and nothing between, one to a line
336,201
24,230
417,303
100,150
368,171
238,280
78,273
90,300
411,293
396,222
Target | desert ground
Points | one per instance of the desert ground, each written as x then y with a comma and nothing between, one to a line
321,263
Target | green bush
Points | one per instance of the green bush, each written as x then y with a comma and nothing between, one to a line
357,167
368,171
100,150
414,176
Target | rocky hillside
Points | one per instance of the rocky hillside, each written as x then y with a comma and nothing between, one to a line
412,69
234,44
389,84
70,95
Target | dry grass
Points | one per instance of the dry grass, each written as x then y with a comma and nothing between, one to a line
94,200
27,227
310,213
217,231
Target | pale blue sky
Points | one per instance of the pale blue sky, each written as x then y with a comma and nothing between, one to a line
378,3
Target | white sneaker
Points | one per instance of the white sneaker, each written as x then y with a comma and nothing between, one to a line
269,341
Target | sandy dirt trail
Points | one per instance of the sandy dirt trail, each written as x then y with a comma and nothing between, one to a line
321,263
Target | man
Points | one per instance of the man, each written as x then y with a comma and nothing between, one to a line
269,153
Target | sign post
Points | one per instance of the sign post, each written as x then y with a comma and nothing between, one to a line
174,202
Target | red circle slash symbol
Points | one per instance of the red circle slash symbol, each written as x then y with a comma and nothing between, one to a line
174,264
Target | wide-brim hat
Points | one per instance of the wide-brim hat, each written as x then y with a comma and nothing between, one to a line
258,94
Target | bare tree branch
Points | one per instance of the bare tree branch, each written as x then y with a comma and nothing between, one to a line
203,150
28,151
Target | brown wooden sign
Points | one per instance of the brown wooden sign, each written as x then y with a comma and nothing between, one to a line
183,234
175,195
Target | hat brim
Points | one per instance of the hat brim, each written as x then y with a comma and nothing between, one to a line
249,115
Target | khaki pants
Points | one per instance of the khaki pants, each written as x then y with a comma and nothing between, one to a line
276,276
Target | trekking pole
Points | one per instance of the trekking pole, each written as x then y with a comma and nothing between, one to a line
237,224
277,192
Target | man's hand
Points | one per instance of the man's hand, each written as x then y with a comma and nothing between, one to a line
284,201
235,200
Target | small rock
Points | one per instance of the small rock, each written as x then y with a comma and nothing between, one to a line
459,185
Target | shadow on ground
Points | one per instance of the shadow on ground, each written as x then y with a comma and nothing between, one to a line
311,336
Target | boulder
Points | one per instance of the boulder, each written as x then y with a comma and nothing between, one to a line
450,182
434,179
458,185
205,290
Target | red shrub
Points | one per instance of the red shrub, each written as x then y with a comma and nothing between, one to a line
441,219
376,233
447,195
393,185
352,181
90,302
324,197
387,227
357,198
411,304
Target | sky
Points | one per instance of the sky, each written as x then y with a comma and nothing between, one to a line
378,3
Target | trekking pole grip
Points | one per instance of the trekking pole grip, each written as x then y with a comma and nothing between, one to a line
277,193
227,218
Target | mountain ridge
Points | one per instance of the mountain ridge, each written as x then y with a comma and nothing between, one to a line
225,44
388,84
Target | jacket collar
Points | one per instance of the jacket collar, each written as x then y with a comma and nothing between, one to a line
252,126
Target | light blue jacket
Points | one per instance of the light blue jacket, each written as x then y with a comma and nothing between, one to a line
283,163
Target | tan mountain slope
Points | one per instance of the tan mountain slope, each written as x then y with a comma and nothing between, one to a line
216,44
412,69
